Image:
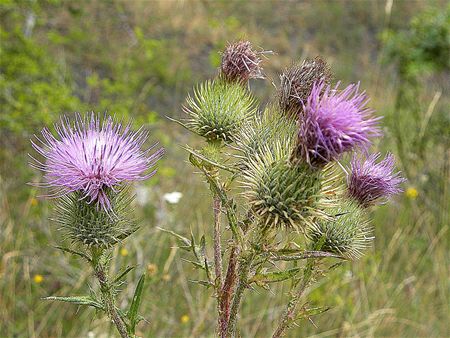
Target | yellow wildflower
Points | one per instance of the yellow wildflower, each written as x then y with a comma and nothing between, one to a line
123,252
166,277
184,319
34,202
412,193
38,278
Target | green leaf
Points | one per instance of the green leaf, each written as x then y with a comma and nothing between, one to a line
74,252
123,274
197,163
272,277
202,282
183,239
78,300
134,307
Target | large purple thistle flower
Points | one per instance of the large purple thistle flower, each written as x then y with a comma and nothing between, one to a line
92,157
334,122
369,182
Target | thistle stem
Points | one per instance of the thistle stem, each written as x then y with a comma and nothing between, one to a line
100,269
225,301
289,314
218,258
244,270
217,204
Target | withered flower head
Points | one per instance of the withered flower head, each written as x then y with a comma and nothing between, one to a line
240,62
297,83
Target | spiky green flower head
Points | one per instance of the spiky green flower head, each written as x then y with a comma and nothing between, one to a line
265,131
296,83
84,223
347,232
218,109
281,193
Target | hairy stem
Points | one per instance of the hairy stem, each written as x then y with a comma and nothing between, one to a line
227,291
244,270
291,310
218,257
100,269
217,241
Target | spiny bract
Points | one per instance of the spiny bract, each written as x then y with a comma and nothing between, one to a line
281,193
265,131
83,223
218,109
347,232
297,82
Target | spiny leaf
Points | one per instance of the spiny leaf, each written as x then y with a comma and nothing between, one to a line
123,274
78,300
205,159
202,282
74,252
272,277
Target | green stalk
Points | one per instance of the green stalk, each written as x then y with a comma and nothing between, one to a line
289,314
100,270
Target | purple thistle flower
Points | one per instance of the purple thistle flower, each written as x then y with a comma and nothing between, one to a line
92,157
334,122
369,181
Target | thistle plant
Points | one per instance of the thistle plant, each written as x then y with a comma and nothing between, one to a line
89,167
276,177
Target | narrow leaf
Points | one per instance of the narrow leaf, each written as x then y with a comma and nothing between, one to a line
183,239
74,252
272,277
134,307
123,274
78,300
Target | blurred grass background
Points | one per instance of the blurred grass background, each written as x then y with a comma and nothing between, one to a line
139,59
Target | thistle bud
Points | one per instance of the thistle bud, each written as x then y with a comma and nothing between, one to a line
240,62
297,83
281,194
218,109
265,131
347,232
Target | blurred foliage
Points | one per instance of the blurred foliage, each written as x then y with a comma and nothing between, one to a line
424,46
138,59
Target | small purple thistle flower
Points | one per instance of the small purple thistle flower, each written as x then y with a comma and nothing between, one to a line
369,181
93,156
334,122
